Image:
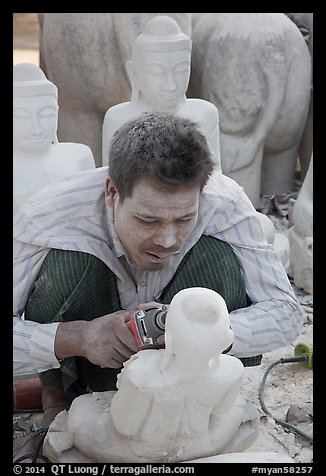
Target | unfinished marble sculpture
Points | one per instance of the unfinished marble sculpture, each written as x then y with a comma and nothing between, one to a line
305,23
301,235
174,404
256,69
38,158
159,73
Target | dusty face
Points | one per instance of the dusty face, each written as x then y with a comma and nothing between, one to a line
34,123
152,224
163,77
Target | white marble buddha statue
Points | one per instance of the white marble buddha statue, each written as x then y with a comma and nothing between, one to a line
174,404
159,73
38,158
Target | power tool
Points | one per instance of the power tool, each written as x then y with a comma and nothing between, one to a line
148,324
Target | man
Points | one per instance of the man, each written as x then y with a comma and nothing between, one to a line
90,250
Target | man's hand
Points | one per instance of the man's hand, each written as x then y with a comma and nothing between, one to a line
104,341
108,342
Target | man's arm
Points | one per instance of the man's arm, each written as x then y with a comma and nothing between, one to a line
105,341
275,317
33,346
33,343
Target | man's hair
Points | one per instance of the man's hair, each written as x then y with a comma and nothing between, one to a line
169,150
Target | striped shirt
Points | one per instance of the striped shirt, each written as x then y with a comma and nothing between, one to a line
73,215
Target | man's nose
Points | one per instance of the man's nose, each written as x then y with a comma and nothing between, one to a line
166,236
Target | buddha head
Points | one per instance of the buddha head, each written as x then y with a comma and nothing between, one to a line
160,68
197,328
35,110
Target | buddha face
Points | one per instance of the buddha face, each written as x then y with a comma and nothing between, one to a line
35,121
162,77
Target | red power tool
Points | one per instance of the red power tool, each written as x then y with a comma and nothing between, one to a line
148,324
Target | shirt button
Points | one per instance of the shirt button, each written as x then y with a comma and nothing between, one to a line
142,283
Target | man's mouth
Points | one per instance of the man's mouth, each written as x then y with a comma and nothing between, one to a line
158,257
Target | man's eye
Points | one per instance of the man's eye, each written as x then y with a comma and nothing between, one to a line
146,222
185,220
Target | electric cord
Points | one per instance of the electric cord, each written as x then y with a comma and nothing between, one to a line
36,454
299,358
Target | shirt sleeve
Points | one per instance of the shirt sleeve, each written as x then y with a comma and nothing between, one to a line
33,343
33,346
275,317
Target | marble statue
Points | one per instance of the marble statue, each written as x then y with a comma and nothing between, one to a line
174,404
301,235
305,23
84,54
256,69
247,130
38,158
159,74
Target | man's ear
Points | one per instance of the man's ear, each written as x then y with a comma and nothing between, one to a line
110,192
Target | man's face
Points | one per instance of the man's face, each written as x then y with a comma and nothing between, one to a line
163,77
152,224
35,121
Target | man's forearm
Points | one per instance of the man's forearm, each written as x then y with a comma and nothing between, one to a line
265,326
69,339
33,346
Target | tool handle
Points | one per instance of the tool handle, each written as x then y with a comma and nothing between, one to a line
133,328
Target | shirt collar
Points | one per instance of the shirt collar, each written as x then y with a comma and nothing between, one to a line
115,242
